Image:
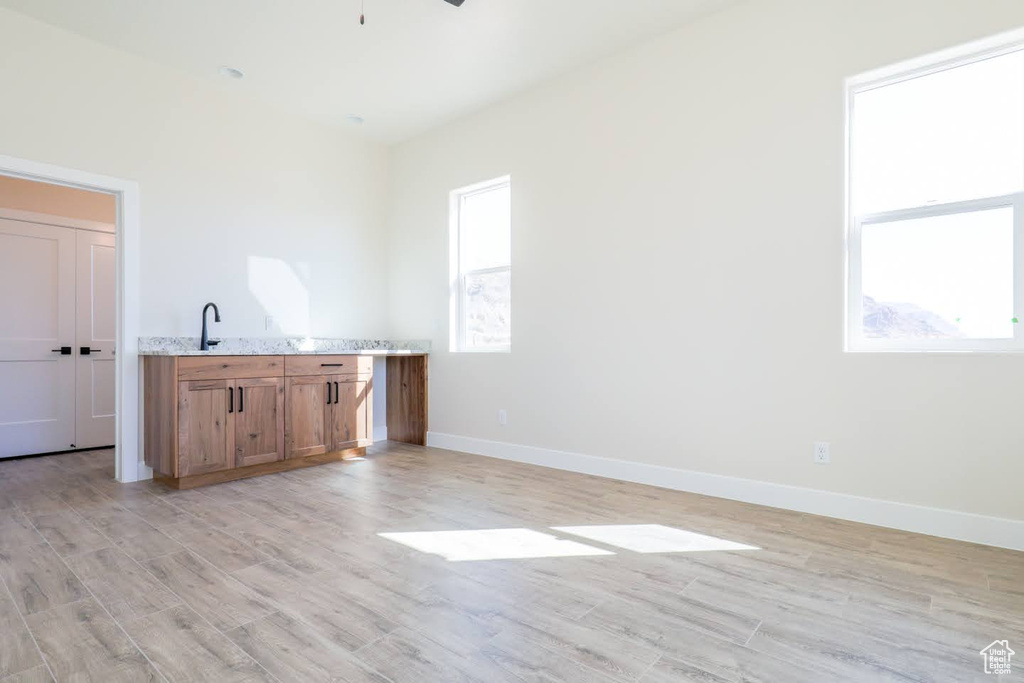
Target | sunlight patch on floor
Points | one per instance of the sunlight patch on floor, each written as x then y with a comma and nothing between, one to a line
492,544
652,538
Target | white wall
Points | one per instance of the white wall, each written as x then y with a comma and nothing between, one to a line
678,266
257,210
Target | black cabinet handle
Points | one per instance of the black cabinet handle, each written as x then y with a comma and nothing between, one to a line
85,350
332,365
231,399
328,393
241,399
337,397
64,350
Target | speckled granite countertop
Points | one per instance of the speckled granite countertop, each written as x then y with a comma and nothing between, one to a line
279,346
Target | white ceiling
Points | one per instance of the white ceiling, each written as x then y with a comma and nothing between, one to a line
414,65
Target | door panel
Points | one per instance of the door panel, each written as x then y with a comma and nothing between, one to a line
259,421
37,315
351,413
206,426
96,331
306,416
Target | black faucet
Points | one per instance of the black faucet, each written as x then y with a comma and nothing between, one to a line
205,342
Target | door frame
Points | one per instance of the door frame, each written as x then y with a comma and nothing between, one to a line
127,446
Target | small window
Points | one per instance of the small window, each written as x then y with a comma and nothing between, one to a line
481,267
935,195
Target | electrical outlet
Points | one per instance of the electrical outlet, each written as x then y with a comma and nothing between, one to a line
269,325
821,454
502,417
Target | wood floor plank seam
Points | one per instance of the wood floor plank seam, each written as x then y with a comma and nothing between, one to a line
689,627
104,608
201,616
574,656
648,670
312,540
302,618
200,520
269,522
688,584
78,514
753,633
31,635
121,626
372,642
580,617
253,621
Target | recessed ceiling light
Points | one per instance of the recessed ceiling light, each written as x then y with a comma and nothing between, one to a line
355,120
231,72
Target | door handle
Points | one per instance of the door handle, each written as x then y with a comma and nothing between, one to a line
64,350
85,350
328,393
337,396
231,399
241,399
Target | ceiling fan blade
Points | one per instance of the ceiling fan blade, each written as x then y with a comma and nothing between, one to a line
457,3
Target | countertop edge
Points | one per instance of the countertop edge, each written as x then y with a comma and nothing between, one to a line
282,346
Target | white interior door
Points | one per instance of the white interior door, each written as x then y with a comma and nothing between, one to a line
94,345
37,318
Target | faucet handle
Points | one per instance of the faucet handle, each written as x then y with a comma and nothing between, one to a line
212,342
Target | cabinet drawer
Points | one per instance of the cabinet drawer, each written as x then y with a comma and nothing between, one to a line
229,367
298,366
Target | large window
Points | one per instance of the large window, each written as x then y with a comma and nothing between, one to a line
481,267
935,226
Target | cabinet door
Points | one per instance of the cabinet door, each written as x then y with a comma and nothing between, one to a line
351,412
206,426
306,416
259,421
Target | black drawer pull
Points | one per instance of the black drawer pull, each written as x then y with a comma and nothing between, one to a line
231,399
332,365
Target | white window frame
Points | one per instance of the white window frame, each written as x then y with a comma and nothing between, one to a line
457,278
855,340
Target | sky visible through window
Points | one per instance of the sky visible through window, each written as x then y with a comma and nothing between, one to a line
485,258
946,137
486,229
958,268
951,136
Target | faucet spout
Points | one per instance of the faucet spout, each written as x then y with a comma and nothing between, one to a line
205,342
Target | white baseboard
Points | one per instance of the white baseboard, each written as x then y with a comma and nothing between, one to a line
961,526
380,433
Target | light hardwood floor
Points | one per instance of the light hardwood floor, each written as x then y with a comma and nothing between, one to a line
285,578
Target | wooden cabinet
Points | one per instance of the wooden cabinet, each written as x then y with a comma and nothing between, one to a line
229,423
206,426
259,421
328,413
217,418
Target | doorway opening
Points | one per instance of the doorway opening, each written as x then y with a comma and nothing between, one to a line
57,318
69,372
